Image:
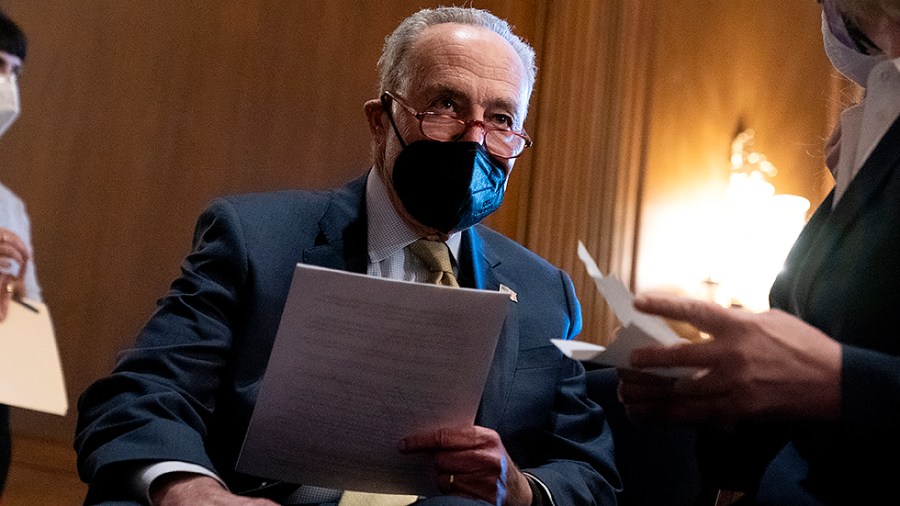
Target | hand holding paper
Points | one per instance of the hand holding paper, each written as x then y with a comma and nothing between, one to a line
638,329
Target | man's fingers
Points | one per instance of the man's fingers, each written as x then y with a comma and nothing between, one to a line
701,355
470,461
12,246
706,316
15,254
447,438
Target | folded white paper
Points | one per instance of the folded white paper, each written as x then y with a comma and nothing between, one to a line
638,329
361,362
31,373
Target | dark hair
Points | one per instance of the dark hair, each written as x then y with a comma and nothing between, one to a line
12,38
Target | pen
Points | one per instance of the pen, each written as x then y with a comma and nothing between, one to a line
27,305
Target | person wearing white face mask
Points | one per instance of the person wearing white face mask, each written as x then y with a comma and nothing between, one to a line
855,56
17,271
801,404
17,274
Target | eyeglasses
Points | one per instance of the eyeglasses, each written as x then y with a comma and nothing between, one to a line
501,142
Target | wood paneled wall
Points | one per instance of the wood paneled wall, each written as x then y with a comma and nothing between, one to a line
592,118
638,104
137,113
720,66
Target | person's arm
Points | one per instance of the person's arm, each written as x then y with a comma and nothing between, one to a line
191,489
578,466
156,403
540,494
759,369
152,476
182,483
870,389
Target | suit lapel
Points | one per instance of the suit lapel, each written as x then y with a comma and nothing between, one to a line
785,294
341,242
867,184
347,254
479,261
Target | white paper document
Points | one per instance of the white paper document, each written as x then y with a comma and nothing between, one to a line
31,374
359,363
638,329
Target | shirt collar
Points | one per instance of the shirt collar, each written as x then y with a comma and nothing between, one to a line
388,233
864,125
881,107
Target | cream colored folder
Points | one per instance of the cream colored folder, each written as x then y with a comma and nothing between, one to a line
31,373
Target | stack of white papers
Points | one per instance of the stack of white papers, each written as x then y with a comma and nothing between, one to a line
637,330
361,362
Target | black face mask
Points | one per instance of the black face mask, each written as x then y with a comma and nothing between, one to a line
448,186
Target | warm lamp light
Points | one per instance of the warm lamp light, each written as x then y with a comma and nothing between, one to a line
760,228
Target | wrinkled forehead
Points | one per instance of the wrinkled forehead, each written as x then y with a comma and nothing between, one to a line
473,60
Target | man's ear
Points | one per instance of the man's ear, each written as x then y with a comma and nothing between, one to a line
377,119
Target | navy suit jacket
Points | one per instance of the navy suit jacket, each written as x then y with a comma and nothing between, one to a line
843,277
187,389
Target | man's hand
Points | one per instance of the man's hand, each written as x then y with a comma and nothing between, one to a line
12,251
189,489
472,462
767,365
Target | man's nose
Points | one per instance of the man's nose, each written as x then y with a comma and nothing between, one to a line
474,131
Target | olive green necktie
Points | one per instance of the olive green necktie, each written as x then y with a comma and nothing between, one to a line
436,257
351,498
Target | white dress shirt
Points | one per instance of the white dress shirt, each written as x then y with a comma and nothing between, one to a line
389,234
864,124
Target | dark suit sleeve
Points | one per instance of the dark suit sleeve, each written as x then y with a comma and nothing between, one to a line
870,385
576,451
157,402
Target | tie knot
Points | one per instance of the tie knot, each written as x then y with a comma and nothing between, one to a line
436,257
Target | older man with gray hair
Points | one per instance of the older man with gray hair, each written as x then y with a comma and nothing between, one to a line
166,426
